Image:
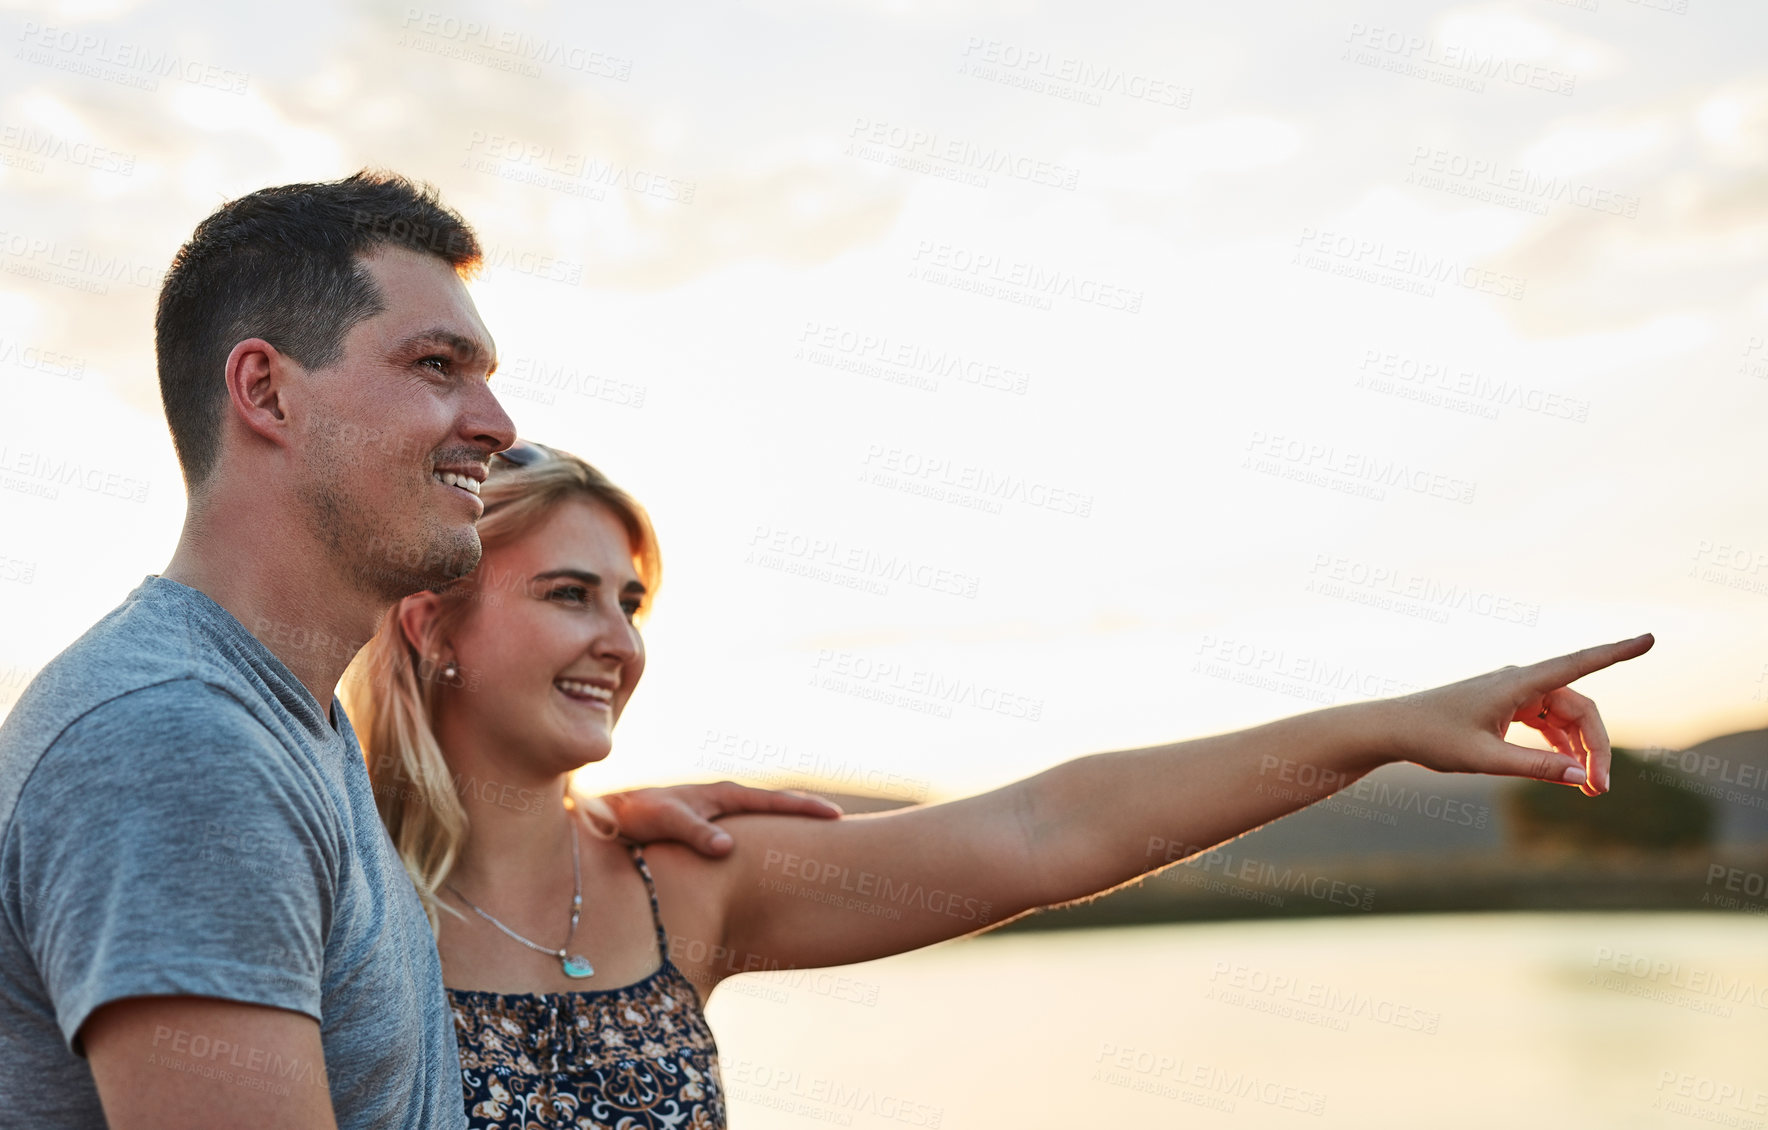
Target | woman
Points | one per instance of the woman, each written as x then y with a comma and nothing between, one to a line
577,966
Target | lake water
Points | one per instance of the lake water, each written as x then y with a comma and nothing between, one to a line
1607,1021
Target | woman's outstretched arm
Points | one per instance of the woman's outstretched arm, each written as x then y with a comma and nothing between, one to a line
800,893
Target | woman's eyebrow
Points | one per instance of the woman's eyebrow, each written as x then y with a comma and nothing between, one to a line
586,577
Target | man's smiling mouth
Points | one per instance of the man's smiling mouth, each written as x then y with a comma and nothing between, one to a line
459,479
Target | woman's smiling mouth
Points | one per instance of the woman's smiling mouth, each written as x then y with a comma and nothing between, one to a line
596,694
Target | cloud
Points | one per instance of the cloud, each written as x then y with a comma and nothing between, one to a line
1174,158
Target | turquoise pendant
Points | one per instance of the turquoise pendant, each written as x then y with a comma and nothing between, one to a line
576,966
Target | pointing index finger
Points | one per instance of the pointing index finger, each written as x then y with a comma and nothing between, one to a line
1550,674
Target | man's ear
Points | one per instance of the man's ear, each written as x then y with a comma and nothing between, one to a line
257,378
417,615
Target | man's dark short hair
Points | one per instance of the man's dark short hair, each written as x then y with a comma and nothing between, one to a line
284,264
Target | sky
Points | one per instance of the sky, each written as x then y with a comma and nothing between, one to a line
1006,381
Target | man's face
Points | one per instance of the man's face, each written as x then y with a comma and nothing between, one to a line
399,431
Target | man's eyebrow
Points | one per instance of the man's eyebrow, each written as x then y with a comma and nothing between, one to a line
587,578
464,348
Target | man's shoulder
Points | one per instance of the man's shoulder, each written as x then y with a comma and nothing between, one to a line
180,749
144,688
176,766
148,642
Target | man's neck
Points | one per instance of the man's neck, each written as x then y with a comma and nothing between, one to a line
281,586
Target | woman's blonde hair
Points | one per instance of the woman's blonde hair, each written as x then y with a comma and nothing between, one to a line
392,687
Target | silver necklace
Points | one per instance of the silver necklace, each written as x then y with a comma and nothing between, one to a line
574,965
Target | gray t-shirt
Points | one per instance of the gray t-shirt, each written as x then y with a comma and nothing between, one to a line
177,816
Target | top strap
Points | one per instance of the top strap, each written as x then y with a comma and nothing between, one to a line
644,870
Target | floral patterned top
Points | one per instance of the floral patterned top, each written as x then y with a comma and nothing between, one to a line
638,1057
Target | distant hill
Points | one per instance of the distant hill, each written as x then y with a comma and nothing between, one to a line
1735,768
1648,808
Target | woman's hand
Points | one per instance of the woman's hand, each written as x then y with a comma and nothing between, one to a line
1460,728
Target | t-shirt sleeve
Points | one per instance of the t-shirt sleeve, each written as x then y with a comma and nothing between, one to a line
175,846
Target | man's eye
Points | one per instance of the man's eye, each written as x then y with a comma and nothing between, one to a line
440,362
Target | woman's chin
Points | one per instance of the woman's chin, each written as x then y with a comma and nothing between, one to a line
582,739
588,753
597,755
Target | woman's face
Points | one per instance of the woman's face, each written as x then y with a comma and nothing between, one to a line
548,645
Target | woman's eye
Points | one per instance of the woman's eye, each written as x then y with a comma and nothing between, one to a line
632,607
571,594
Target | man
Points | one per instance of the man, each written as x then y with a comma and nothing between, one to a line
198,894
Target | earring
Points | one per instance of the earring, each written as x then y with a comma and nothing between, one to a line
448,673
